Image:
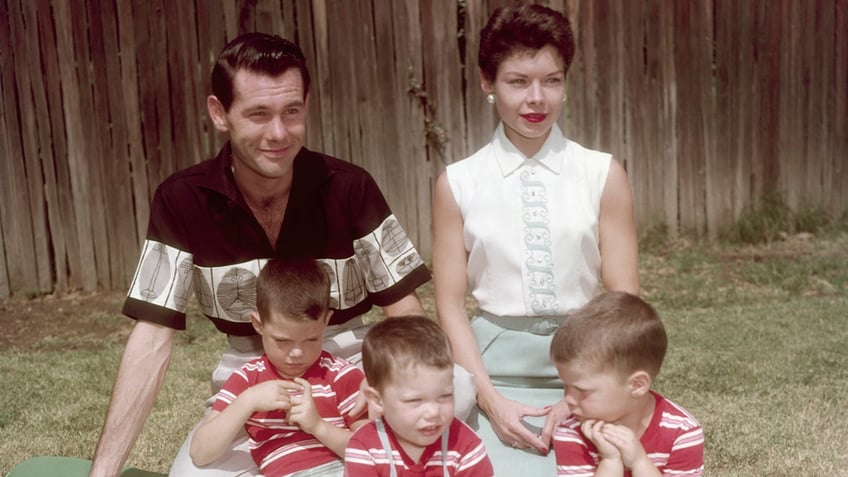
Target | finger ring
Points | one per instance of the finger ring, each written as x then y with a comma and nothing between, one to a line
515,444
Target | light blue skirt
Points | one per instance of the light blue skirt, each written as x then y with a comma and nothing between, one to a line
515,352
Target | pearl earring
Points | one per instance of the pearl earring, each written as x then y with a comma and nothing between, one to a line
564,97
490,98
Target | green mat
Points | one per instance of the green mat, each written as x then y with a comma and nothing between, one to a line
52,466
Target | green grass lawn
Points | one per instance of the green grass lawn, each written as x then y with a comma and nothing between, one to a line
758,352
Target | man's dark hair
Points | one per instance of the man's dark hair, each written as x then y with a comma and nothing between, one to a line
259,53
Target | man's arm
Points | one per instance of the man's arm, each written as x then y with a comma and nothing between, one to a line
140,375
406,306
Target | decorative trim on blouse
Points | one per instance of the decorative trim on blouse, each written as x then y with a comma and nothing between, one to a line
537,244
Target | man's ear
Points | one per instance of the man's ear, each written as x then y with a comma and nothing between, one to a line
217,113
256,321
640,383
375,401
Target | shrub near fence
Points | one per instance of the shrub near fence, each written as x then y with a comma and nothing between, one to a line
710,104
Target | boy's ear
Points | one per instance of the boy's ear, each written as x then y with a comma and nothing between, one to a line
256,321
328,315
640,383
375,401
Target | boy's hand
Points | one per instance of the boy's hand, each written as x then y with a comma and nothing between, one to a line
302,411
594,431
269,396
623,438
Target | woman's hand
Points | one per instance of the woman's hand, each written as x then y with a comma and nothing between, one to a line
506,417
557,413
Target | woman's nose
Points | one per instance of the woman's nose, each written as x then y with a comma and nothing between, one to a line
534,92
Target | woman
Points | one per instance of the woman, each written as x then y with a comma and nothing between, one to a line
533,223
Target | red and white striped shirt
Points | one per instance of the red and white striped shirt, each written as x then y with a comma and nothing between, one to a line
466,455
279,447
674,441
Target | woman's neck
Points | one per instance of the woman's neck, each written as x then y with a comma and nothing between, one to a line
529,146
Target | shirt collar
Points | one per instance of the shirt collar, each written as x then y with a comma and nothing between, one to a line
219,177
510,159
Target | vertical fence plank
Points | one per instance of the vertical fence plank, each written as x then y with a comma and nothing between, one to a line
16,273
66,257
789,174
769,52
688,110
212,42
108,100
637,93
670,85
838,203
91,177
819,110
408,45
738,110
78,142
443,79
35,118
321,106
483,117
297,24
719,209
130,157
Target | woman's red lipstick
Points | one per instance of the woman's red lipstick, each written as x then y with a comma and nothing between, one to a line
534,117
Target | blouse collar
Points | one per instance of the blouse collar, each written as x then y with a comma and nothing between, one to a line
510,159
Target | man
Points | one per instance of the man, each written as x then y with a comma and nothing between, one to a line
214,225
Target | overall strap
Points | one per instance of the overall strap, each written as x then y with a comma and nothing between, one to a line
445,452
384,439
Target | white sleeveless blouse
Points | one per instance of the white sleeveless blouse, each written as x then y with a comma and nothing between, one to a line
530,225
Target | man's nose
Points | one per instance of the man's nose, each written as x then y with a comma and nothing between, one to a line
277,129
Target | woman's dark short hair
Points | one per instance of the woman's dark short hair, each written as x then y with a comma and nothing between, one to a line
259,53
523,28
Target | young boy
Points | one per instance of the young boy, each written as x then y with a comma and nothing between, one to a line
608,353
295,400
409,368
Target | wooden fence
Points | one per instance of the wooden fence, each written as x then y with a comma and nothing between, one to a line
710,104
